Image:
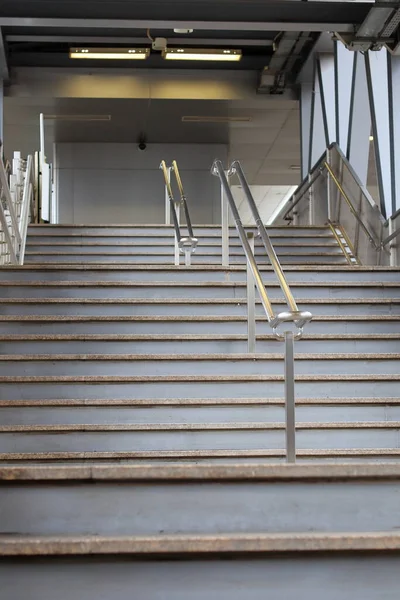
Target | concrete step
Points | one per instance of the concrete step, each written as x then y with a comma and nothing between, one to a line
159,437
161,365
166,246
167,237
55,325
191,343
177,387
202,410
191,307
248,457
345,566
125,290
198,499
308,258
158,229
195,274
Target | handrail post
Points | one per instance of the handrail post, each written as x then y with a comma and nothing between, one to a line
290,398
225,225
178,220
186,244
167,201
328,188
236,168
175,169
174,208
392,246
251,301
311,207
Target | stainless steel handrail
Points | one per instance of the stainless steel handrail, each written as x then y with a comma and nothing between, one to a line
299,318
187,244
350,205
305,185
323,165
16,208
390,237
175,170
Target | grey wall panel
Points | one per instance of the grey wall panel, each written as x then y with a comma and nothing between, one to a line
116,183
65,182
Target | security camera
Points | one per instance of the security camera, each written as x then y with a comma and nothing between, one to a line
142,146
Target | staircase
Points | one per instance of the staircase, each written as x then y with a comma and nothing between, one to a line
136,429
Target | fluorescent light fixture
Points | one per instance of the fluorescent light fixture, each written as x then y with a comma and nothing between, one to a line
110,53
83,118
371,138
213,54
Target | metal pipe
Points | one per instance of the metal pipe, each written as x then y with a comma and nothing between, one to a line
177,247
350,205
218,169
170,194
251,301
309,182
183,197
290,398
167,202
26,207
265,238
224,227
391,237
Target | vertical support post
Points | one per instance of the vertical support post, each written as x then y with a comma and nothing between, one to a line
177,251
1,118
225,226
289,398
392,245
42,142
167,202
311,207
188,257
328,187
251,301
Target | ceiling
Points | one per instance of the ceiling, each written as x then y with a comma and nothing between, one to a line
40,32
276,39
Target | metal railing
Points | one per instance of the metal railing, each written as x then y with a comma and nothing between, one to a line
17,208
254,279
391,243
333,194
183,244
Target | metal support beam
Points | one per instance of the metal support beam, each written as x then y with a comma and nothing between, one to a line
378,84
126,24
344,67
1,117
306,94
326,76
358,145
379,29
394,119
4,72
317,130
335,108
181,41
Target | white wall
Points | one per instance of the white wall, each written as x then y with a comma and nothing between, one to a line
116,183
266,197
